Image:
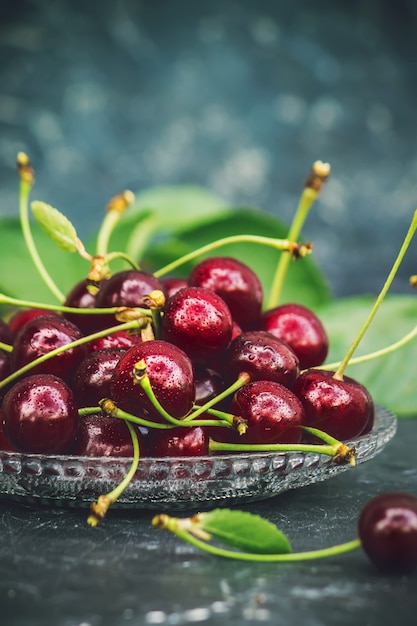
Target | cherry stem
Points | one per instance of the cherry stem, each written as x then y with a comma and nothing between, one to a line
174,525
99,509
68,309
110,408
6,347
241,380
114,212
141,377
312,188
340,452
407,240
26,184
278,244
121,255
377,354
67,346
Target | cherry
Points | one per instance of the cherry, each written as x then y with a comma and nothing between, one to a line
42,335
262,356
126,288
273,413
178,442
93,377
198,321
103,436
172,285
171,376
341,407
300,327
6,334
20,318
236,283
40,415
208,384
80,297
387,528
5,367
122,339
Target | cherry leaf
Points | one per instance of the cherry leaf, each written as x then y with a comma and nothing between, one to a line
56,225
245,531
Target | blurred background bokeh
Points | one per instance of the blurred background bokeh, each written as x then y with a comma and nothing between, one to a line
239,97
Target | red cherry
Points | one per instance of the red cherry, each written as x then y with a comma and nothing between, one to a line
272,412
92,379
178,442
342,408
262,356
301,329
42,335
236,283
103,436
22,317
387,528
199,322
40,415
170,374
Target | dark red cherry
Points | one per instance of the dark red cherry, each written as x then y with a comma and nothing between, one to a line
40,415
5,367
208,384
178,442
127,288
272,412
172,285
342,408
6,333
198,321
387,528
80,298
262,356
301,328
236,283
92,379
171,376
22,317
104,436
42,335
122,339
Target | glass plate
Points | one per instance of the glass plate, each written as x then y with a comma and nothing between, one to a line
178,483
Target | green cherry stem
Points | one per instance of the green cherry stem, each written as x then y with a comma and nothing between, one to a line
110,408
6,347
99,509
121,255
319,173
114,212
279,244
340,452
26,182
68,346
377,353
241,380
68,309
407,240
174,525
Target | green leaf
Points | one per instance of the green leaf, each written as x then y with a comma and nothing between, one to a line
56,225
245,531
391,379
304,283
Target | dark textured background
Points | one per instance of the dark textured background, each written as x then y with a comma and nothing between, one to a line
240,97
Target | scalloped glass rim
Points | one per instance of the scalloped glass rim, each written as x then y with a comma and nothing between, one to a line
178,483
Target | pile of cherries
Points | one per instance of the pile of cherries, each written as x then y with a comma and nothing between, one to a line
209,334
